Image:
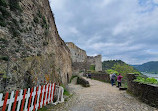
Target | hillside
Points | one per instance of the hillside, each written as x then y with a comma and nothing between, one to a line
118,66
150,67
31,50
110,63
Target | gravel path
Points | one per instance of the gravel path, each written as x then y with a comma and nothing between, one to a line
101,97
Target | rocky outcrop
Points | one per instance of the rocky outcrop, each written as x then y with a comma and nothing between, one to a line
32,52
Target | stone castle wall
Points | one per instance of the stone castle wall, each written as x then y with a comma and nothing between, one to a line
36,51
96,60
81,62
77,54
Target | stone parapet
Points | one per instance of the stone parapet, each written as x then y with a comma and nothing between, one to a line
148,93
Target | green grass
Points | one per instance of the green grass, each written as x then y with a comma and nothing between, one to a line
43,109
65,91
92,67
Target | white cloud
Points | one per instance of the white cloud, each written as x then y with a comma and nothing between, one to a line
155,1
125,29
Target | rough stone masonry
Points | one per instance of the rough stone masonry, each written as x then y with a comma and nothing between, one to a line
81,62
32,52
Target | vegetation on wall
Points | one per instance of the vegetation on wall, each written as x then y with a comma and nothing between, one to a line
6,18
92,67
146,80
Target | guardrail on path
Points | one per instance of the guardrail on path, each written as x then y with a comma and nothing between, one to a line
31,99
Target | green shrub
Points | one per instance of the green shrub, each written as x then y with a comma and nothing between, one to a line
18,41
36,20
3,24
5,12
14,5
1,17
15,22
2,21
3,3
39,14
45,43
111,71
3,40
44,20
14,31
5,58
146,80
21,20
30,28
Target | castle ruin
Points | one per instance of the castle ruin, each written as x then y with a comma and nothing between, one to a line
81,62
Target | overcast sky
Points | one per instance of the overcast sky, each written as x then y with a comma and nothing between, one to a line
116,29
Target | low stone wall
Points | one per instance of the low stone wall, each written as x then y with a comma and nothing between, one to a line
101,76
83,82
148,93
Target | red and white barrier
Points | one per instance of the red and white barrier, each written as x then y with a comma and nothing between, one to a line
31,99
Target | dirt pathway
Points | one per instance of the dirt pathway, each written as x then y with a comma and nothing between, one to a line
101,97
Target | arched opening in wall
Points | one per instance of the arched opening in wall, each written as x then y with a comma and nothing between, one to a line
67,78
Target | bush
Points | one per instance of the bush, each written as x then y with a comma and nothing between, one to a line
21,20
3,24
5,13
36,20
3,3
30,28
3,40
39,14
18,41
2,21
110,71
44,20
14,31
45,43
14,5
146,80
5,58
15,22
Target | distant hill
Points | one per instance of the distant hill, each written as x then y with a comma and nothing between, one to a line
110,63
150,67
